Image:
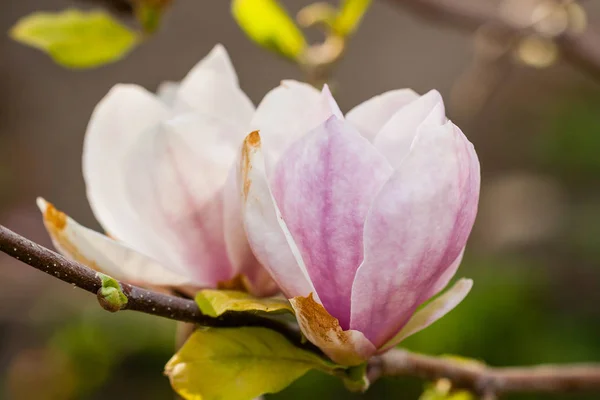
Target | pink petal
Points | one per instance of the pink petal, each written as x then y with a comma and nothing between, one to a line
122,116
370,116
268,234
417,227
287,112
324,185
446,276
395,137
175,174
432,312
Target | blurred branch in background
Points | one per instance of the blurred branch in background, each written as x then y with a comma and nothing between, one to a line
487,382
468,374
534,32
582,49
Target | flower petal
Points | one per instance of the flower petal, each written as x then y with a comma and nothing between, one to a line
167,92
124,114
345,347
288,112
217,60
446,276
240,254
106,255
395,137
211,88
268,234
324,185
418,225
432,312
175,174
370,116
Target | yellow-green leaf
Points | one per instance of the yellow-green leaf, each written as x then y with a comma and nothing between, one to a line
238,364
75,38
350,15
215,302
269,25
442,390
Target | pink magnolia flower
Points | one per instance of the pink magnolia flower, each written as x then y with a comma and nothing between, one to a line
156,170
362,219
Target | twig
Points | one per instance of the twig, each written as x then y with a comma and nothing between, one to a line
477,377
485,380
138,299
581,50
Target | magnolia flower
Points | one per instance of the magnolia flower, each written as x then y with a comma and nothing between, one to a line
156,171
360,220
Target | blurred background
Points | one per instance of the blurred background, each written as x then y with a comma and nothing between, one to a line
534,253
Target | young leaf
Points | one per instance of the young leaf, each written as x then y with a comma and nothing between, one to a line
74,38
442,390
239,364
215,302
268,24
350,15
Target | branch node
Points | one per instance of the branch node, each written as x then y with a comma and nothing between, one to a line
110,295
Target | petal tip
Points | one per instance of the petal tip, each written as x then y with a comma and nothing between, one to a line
252,140
466,283
41,203
52,217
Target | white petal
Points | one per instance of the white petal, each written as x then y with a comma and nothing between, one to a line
217,60
288,112
395,138
167,92
268,235
211,88
124,114
106,255
370,116
175,175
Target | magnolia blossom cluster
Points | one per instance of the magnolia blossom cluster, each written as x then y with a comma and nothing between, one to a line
357,219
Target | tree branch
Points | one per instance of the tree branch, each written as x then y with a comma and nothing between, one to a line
477,377
484,380
580,50
138,299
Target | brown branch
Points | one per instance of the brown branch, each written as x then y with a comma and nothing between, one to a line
138,299
580,50
484,380
481,379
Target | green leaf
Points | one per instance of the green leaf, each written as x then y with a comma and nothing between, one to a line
350,15
268,24
76,39
239,364
216,302
355,378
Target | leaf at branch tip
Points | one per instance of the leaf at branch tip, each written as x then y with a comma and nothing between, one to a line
269,25
74,38
110,295
355,378
239,364
350,16
216,302
442,390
